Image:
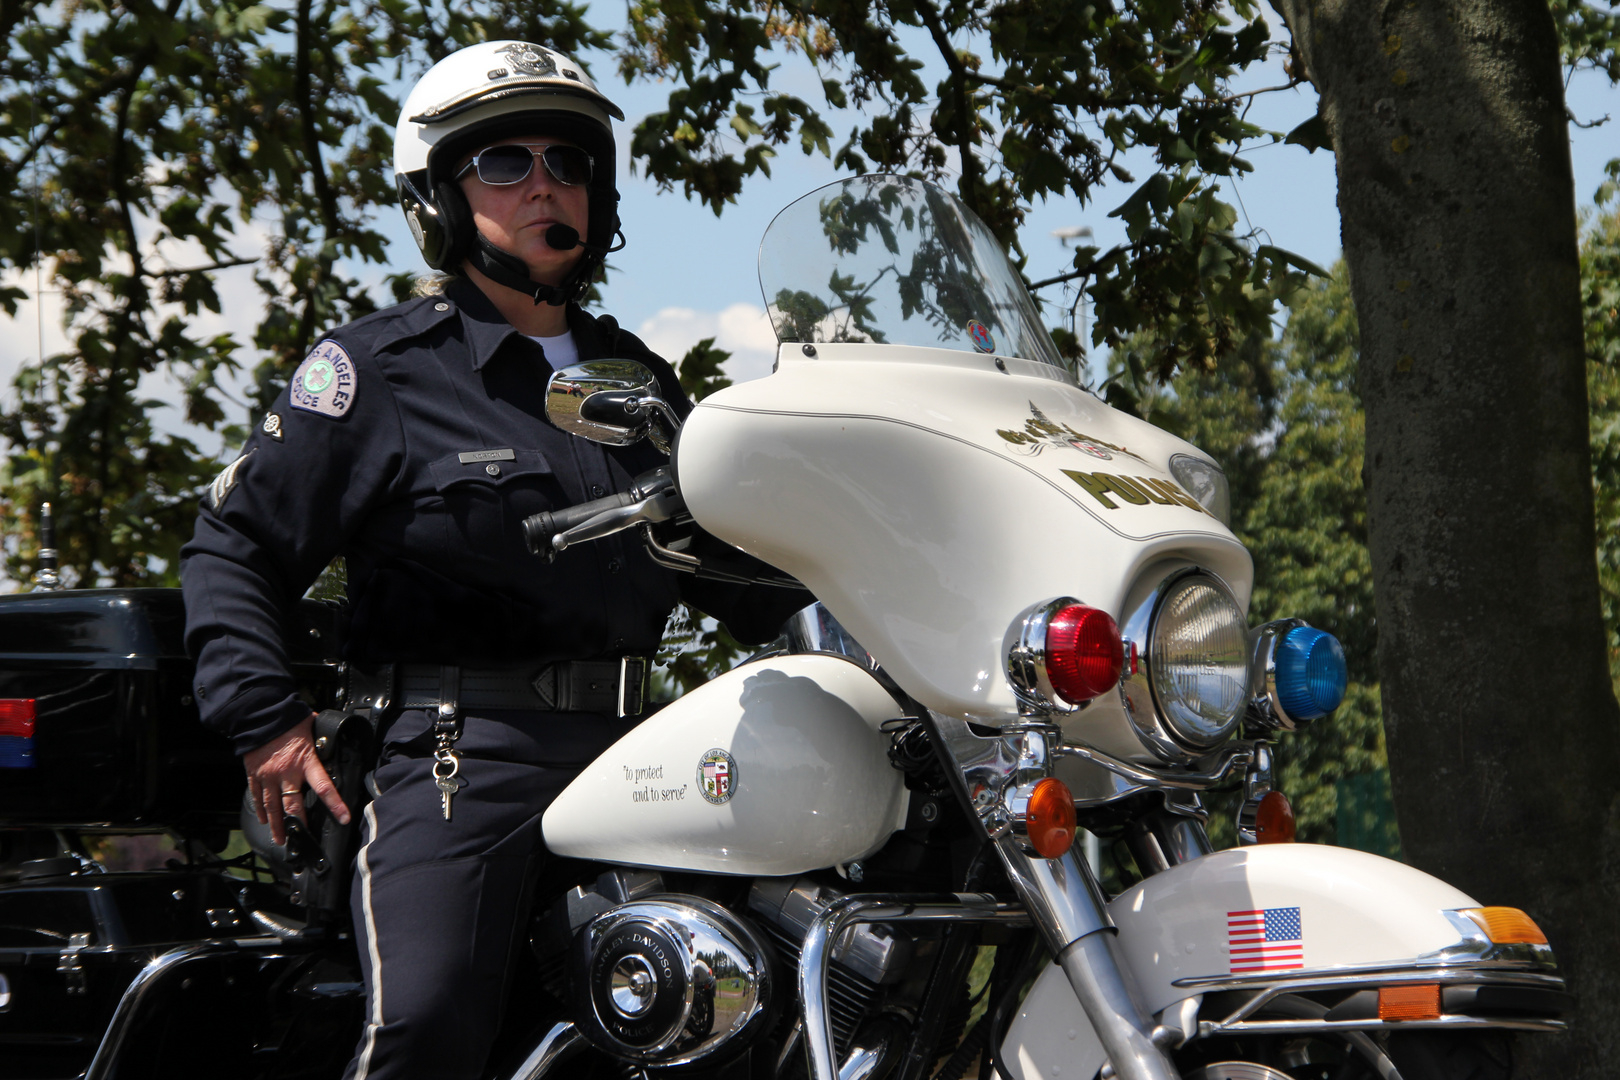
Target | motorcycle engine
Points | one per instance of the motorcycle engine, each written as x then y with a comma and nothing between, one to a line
669,979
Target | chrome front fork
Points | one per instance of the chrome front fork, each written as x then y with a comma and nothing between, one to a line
1061,895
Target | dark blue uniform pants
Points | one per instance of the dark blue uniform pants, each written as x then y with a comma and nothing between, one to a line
439,906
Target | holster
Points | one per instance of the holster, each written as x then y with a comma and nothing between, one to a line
316,859
320,856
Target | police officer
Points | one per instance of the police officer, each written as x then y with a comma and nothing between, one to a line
413,443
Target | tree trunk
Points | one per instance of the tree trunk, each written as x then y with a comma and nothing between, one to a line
1458,216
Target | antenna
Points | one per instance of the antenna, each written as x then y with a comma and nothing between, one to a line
46,576
46,579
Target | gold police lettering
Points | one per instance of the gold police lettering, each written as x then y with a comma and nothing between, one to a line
1134,490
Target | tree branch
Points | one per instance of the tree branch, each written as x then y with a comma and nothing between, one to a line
210,268
1229,98
1083,272
959,76
1005,84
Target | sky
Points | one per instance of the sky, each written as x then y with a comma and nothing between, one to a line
687,274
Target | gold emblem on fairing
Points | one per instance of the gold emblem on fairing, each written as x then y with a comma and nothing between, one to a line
1040,432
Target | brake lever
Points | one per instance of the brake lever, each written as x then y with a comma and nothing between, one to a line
540,531
659,506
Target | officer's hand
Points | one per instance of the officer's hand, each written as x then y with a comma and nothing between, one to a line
277,773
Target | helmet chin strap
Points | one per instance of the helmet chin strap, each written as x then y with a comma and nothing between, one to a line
504,268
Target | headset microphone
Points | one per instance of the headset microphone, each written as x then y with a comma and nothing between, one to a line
566,238
563,237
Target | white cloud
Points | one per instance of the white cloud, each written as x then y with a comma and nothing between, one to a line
741,329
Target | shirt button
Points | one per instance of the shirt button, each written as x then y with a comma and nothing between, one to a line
615,565
493,469
596,489
618,643
441,306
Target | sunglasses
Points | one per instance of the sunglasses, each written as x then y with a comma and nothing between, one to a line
501,166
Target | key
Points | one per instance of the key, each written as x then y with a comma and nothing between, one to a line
445,766
448,786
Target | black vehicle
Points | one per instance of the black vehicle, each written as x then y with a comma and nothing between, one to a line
188,970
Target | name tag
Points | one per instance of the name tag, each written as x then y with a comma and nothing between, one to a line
473,457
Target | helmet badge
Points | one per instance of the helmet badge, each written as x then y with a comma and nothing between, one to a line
528,59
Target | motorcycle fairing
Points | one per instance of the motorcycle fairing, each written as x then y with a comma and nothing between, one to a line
1337,910
776,767
879,476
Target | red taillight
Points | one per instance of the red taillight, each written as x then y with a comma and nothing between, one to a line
17,717
1083,653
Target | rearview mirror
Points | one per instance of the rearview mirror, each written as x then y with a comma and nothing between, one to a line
613,402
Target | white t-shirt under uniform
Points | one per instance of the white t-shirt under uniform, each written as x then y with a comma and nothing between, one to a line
560,350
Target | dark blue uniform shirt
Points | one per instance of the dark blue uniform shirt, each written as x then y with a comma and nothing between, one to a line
381,451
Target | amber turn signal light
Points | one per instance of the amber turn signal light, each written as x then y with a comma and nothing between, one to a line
1049,818
1274,819
1507,925
1419,1001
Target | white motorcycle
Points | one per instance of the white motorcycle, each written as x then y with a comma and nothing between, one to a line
805,854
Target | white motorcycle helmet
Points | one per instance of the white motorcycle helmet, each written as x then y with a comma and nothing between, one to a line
476,95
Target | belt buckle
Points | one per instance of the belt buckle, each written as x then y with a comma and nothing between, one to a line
632,685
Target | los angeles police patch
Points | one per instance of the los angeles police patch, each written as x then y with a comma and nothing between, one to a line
324,383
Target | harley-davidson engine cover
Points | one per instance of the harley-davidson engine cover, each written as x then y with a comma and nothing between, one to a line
669,979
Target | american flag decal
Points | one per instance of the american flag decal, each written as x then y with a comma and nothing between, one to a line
1269,939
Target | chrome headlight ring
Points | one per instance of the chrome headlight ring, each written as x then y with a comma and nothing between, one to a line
1170,729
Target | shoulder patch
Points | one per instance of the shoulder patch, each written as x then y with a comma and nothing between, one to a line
225,481
324,383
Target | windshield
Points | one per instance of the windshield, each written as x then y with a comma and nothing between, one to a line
895,261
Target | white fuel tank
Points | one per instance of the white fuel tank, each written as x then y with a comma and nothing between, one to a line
774,768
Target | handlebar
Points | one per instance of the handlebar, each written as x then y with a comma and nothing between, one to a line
540,528
652,497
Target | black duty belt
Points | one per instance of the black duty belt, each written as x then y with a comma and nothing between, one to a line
614,687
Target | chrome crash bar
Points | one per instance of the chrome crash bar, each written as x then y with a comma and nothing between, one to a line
815,960
1268,988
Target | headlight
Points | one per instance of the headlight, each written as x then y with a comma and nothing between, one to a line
1205,482
1197,659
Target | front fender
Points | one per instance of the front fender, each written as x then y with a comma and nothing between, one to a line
1349,908
1283,910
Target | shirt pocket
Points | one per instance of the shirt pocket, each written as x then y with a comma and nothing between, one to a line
485,501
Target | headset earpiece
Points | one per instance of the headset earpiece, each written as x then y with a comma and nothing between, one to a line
456,221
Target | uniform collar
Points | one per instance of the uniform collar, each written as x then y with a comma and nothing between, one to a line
488,330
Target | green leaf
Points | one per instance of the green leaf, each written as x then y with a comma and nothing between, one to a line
1313,135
